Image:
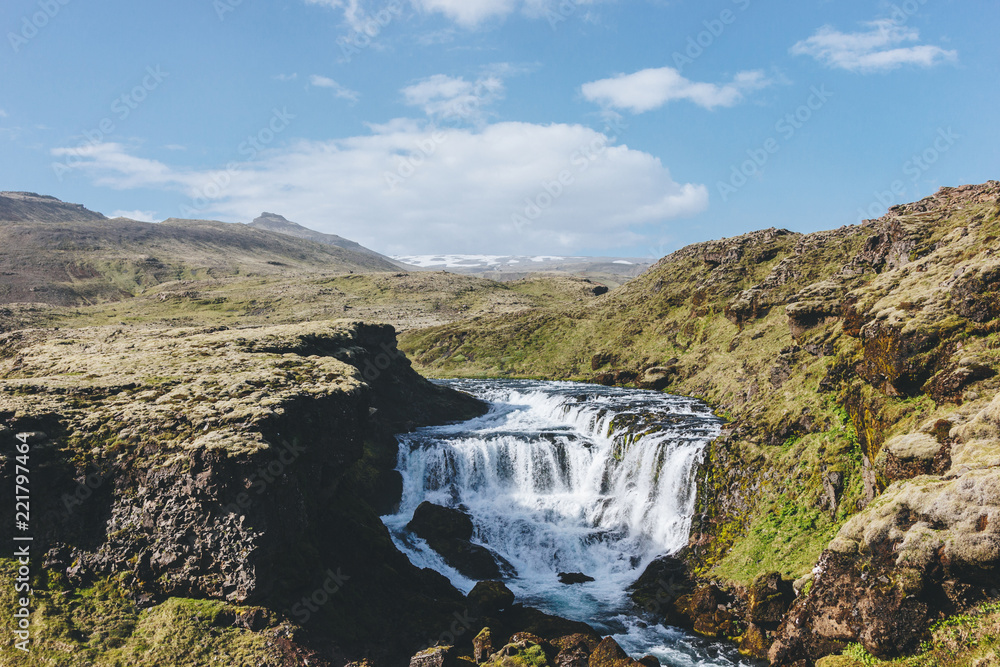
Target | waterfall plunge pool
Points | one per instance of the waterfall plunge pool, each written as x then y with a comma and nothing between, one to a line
568,477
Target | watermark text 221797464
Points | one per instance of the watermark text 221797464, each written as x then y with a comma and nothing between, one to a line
22,541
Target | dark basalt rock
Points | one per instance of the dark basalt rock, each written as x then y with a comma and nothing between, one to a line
659,587
490,597
432,521
527,619
472,560
574,578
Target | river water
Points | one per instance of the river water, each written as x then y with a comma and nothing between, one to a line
568,477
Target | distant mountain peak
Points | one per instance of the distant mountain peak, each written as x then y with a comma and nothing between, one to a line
273,222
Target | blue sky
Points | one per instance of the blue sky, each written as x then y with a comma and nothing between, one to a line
604,127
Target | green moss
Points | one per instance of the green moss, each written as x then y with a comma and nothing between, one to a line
965,640
531,656
785,536
99,626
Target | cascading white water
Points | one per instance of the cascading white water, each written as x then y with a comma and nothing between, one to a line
562,477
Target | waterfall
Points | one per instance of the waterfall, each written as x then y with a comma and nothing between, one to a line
561,477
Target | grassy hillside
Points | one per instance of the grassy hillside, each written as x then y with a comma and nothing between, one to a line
404,300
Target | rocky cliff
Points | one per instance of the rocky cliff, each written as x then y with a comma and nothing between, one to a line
224,481
857,368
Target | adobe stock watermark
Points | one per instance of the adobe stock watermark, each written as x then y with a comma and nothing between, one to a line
562,12
121,108
918,165
249,149
352,45
554,188
902,12
698,44
223,7
787,127
32,24
23,540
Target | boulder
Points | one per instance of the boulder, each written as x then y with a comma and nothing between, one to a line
435,656
432,521
482,645
755,642
526,619
472,560
490,597
711,611
658,377
585,641
573,657
768,598
574,578
659,587
609,654
528,637
948,385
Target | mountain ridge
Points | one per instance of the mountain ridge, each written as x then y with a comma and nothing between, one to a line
64,254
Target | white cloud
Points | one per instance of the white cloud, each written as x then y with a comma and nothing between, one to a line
468,14
652,88
340,91
410,187
286,77
875,50
3,114
453,98
141,216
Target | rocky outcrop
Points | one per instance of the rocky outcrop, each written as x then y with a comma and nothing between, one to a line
927,547
233,465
